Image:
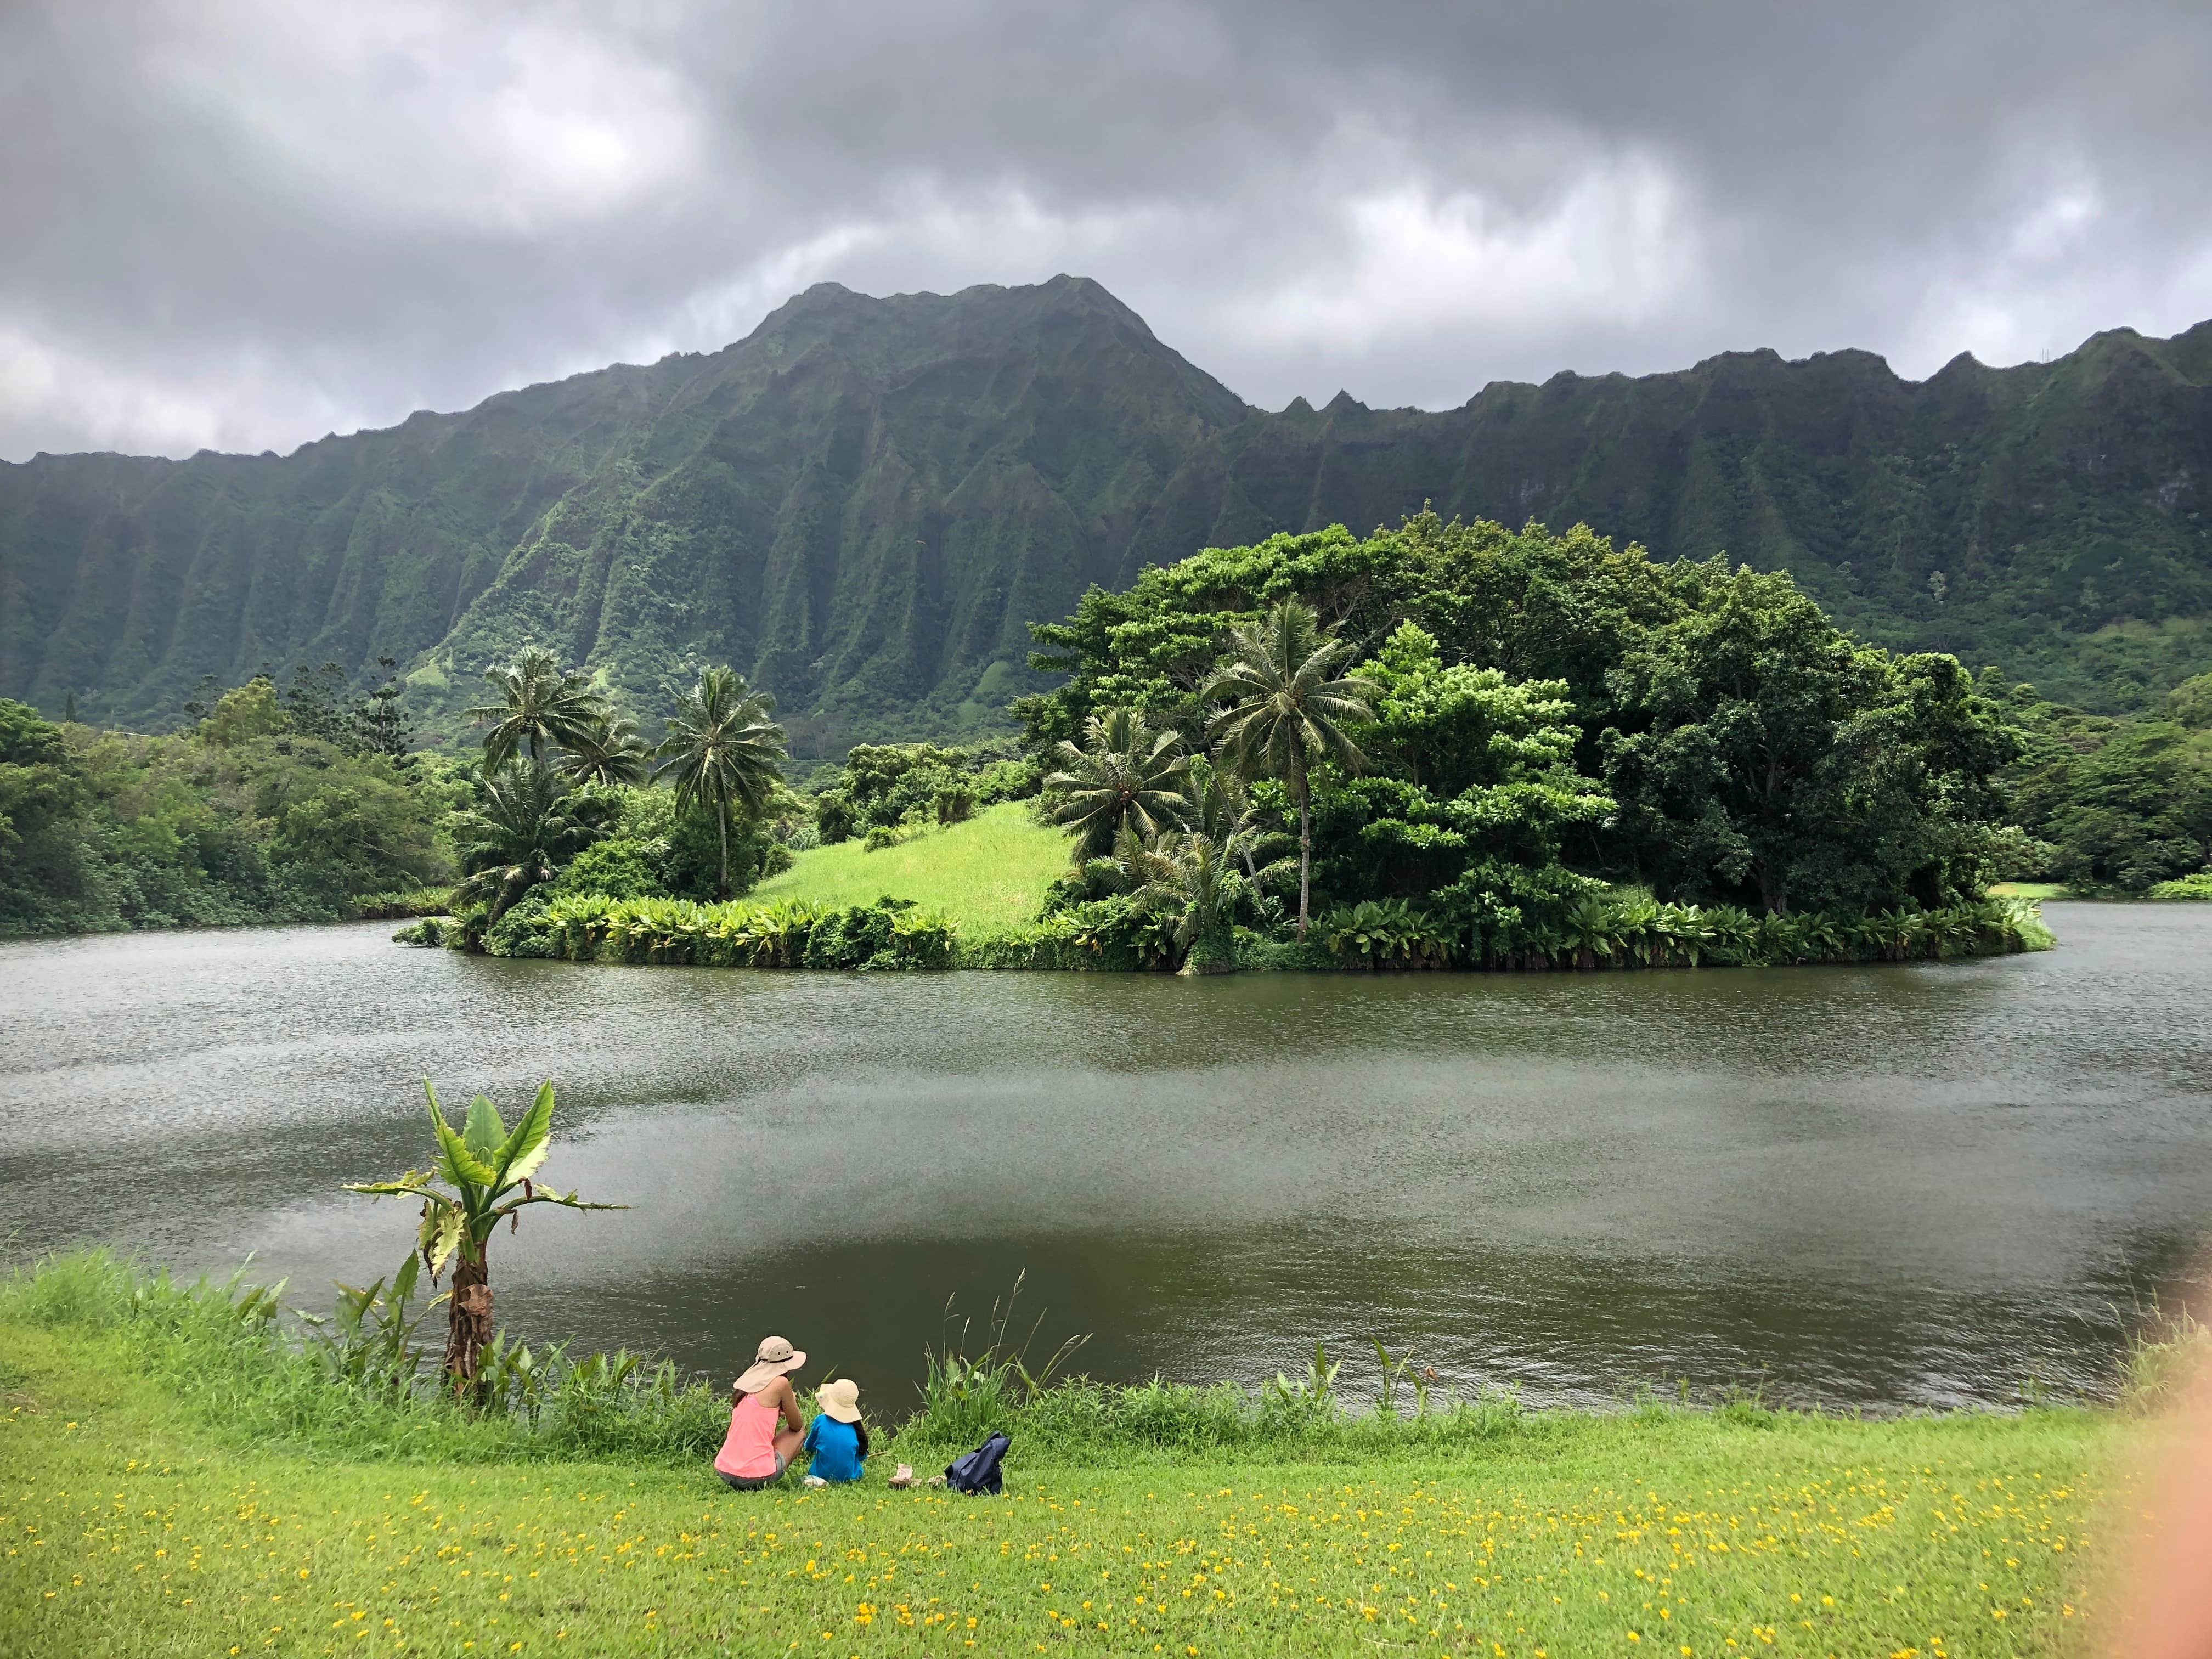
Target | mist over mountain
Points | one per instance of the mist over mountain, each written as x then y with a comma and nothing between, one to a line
863,503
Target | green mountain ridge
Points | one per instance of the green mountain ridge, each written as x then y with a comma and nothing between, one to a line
863,503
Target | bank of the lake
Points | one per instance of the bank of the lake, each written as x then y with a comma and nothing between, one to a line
134,1524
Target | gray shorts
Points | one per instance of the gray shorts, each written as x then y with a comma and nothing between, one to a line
755,1482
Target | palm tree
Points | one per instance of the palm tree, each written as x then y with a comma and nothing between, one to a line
539,703
610,752
1283,706
487,1165
1194,880
1219,807
1125,776
526,824
722,747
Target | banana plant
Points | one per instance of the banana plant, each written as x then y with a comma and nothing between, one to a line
489,1168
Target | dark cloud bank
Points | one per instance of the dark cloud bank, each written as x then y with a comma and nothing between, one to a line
240,225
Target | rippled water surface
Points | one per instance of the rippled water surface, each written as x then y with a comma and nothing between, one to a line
1910,1185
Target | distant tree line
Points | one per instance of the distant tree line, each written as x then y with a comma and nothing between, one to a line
305,803
274,806
2114,806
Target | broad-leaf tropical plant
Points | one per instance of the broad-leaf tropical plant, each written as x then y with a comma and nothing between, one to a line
1284,710
526,825
722,749
1125,776
540,705
486,1169
611,752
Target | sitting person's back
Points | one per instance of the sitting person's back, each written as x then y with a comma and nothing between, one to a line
838,1438
765,1424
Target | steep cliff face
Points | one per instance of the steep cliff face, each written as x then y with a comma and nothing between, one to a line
864,502
2050,518
862,505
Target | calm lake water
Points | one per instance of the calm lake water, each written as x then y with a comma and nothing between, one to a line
1880,1185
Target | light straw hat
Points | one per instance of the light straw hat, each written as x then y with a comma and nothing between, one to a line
771,1360
839,1399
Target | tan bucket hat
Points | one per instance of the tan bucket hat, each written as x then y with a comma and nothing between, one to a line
771,1359
839,1399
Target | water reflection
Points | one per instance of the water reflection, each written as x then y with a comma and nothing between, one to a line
1880,1185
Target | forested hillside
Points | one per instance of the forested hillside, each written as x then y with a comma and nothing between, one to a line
865,503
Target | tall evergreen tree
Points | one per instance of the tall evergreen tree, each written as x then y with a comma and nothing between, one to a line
1285,708
722,748
610,752
540,705
1125,776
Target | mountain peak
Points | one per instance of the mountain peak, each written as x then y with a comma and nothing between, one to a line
863,503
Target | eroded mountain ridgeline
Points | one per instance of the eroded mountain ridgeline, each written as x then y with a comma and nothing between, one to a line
862,504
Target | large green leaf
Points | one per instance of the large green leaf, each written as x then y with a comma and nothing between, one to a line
459,1164
484,1131
408,1186
532,1139
445,1239
427,1234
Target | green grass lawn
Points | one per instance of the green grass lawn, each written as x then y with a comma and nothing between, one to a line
989,874
134,1523
2028,890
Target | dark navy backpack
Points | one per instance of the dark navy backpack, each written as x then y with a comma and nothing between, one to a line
978,1472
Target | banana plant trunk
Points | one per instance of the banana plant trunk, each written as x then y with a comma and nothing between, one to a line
468,1321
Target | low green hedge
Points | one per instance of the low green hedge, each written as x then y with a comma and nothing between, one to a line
2198,886
890,934
1110,936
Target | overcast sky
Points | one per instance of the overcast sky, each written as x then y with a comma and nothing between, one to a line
243,223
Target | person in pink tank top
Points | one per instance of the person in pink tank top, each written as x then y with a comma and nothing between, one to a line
765,1424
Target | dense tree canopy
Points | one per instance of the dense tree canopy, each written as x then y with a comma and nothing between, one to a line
292,804
1550,712
246,818
2116,805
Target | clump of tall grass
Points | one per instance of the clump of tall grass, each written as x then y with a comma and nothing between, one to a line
354,1382
966,1397
1289,1418
2165,1352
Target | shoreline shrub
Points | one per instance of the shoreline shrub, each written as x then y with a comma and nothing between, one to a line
2197,886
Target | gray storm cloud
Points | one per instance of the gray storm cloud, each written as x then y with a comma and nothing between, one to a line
241,225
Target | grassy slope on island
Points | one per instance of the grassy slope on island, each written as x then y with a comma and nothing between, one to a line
132,1526
989,874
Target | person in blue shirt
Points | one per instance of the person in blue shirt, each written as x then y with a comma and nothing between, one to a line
837,1439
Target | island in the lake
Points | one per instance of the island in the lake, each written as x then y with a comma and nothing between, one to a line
1442,746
